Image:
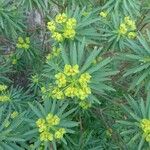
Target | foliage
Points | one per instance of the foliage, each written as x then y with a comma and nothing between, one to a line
137,123
74,74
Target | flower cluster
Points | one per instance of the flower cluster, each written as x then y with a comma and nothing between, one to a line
71,84
14,114
3,96
103,14
145,59
48,128
23,43
85,104
35,79
62,28
87,10
145,125
55,53
128,28
45,91
3,87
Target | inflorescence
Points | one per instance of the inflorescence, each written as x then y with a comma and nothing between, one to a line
3,96
62,27
49,128
128,28
23,43
55,53
70,83
145,125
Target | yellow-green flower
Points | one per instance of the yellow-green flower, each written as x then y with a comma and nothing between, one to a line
23,43
103,14
61,79
55,120
84,79
132,35
43,90
49,57
130,23
69,33
59,134
87,90
7,123
46,136
35,79
51,26
61,18
123,29
18,45
81,94
85,104
4,98
14,61
25,46
148,138
57,36
71,70
109,132
145,125
52,120
14,114
40,122
3,87
71,23
20,40
27,39
57,93
56,51
71,92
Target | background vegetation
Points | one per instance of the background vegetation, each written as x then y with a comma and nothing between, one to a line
74,74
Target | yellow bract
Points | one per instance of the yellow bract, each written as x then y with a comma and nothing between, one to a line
3,87
46,136
130,23
41,123
85,104
71,92
47,127
69,33
57,93
14,114
103,14
57,36
123,29
61,18
52,120
59,134
71,70
4,98
14,61
84,79
131,35
55,52
35,79
23,43
83,93
51,26
71,23
145,125
61,79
